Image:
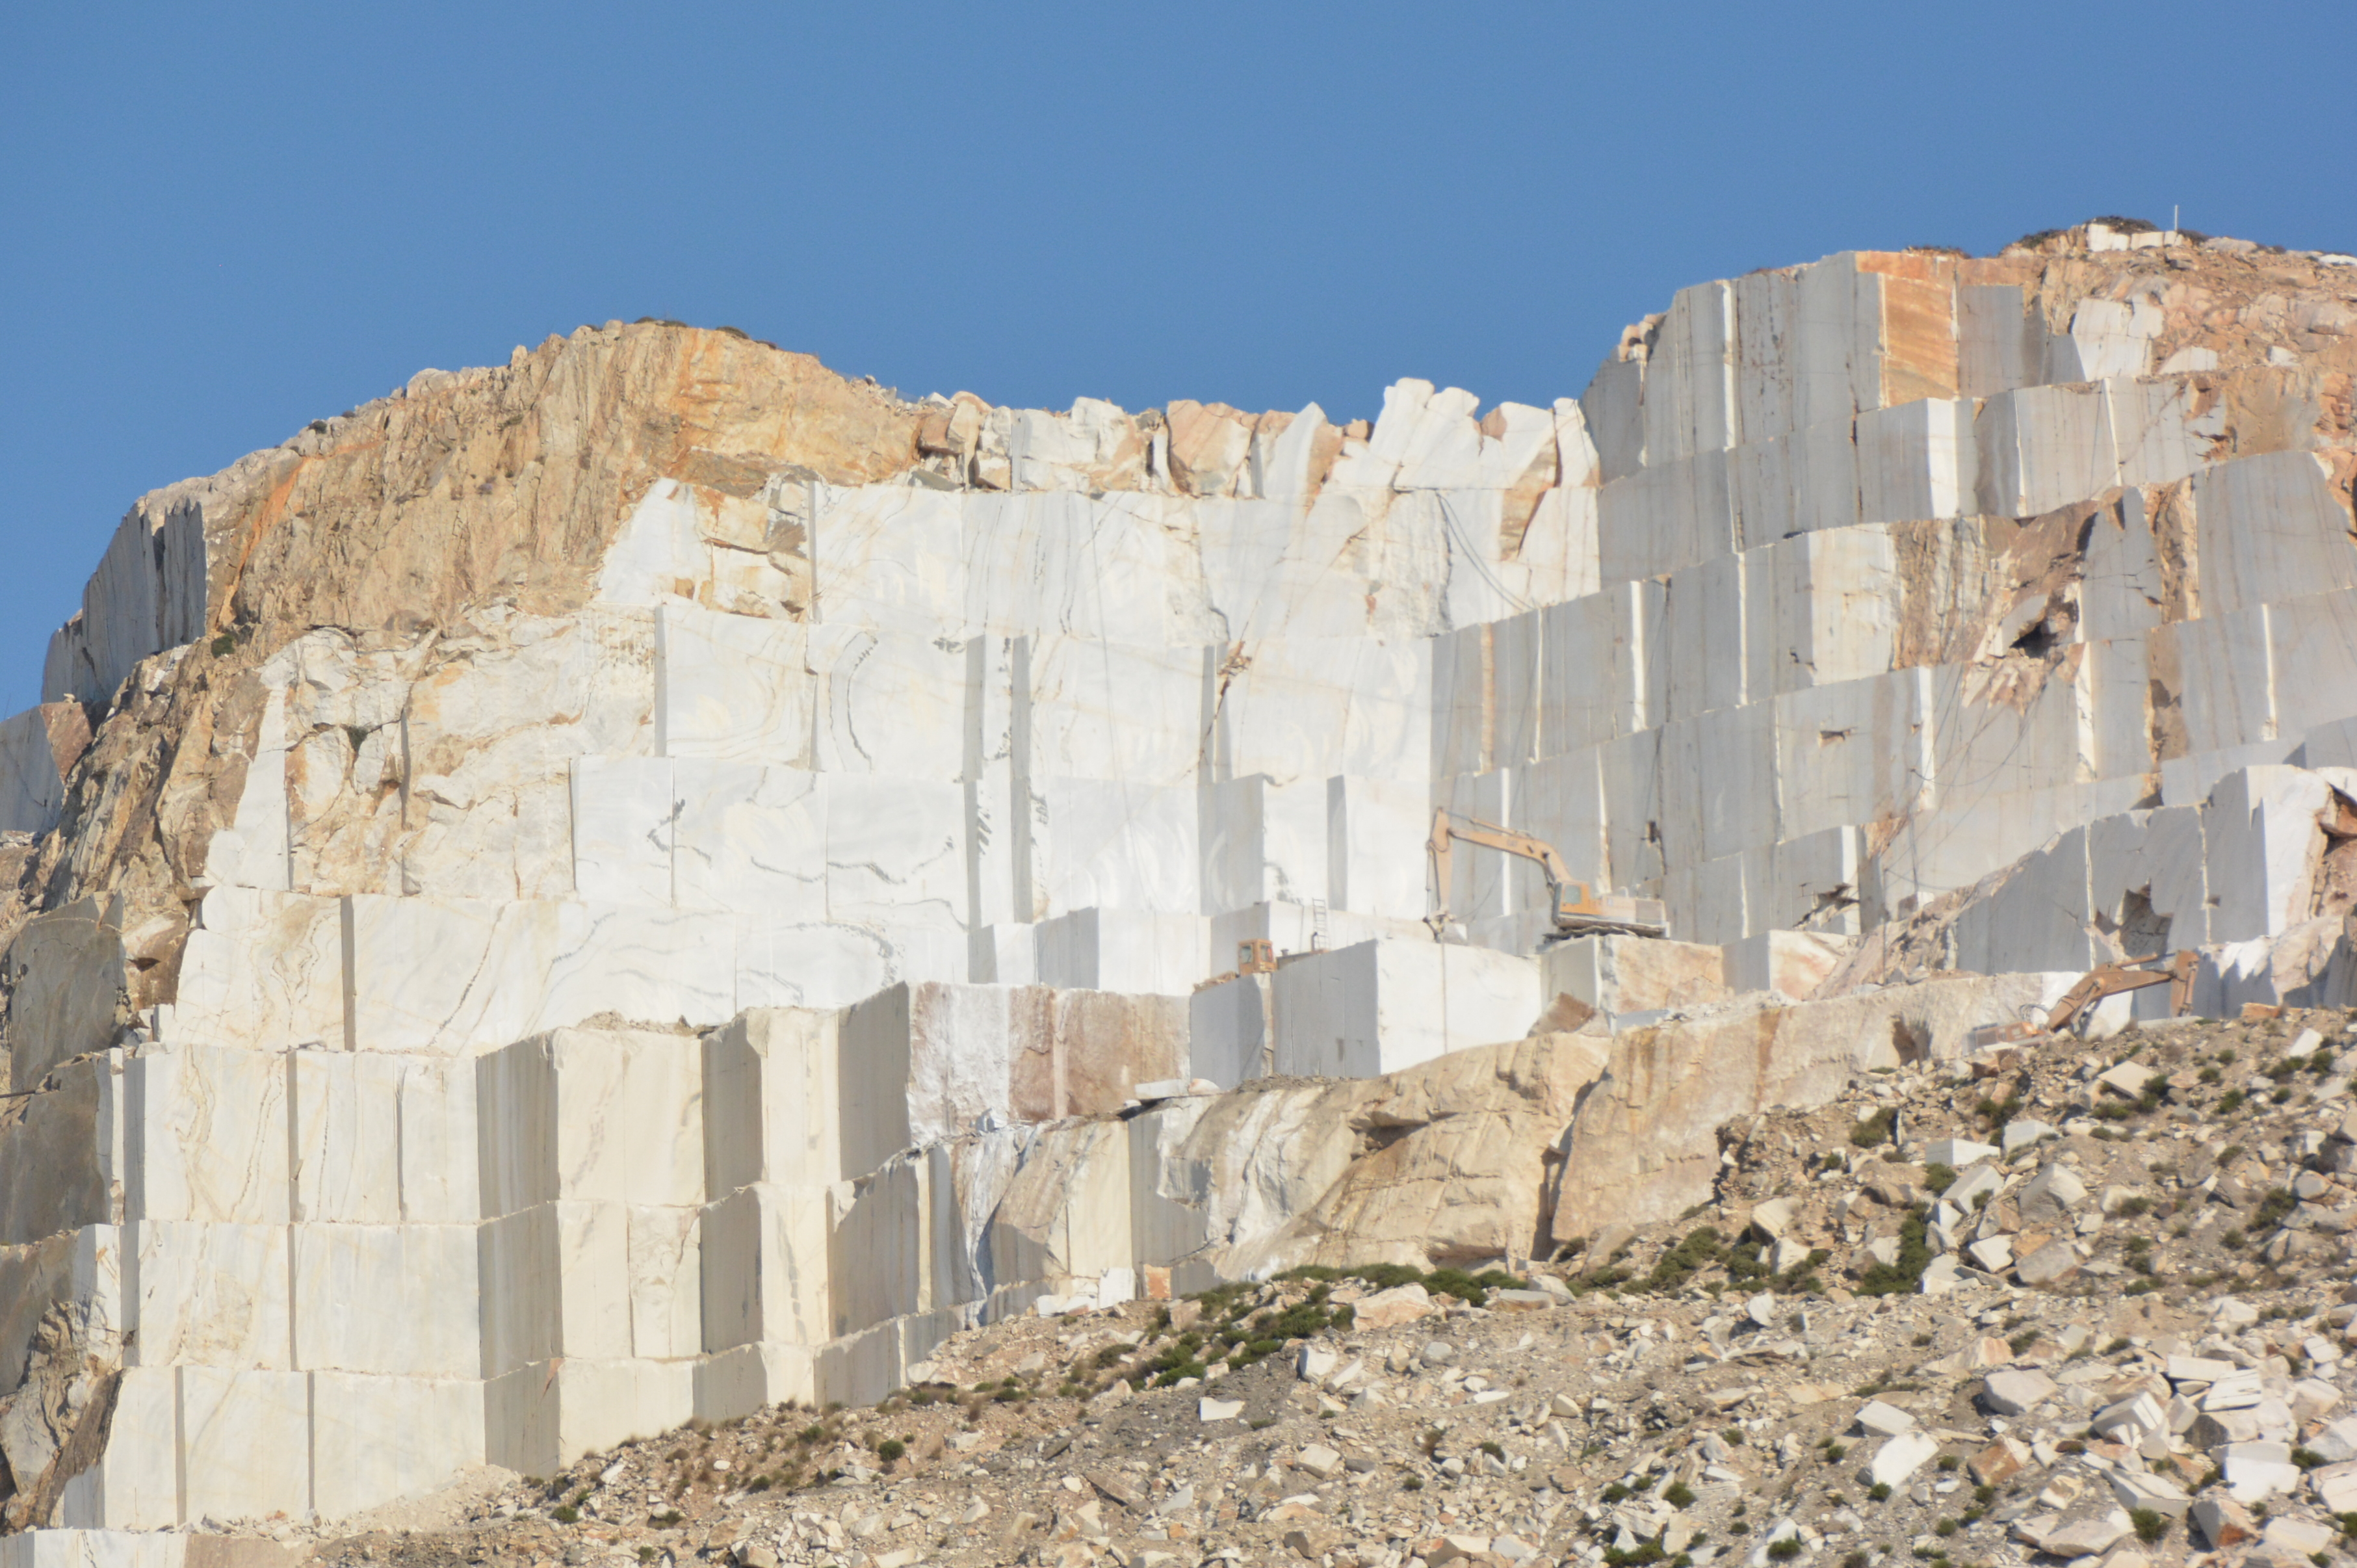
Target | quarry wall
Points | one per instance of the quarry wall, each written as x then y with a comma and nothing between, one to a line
653,880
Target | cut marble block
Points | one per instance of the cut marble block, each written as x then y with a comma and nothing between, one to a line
1618,686
1005,955
1990,737
1103,844
431,975
1124,951
895,855
2263,848
1707,901
2312,650
245,1442
2038,919
555,1282
375,1440
2332,745
1789,963
136,1484
591,1114
1794,484
1690,399
393,1299
37,748
886,555
2001,343
2146,880
2120,595
263,968
876,1246
1666,515
1956,845
2115,707
773,1086
1260,840
1107,1044
1821,882
1916,461
2152,429
540,1418
1091,709
1379,1006
206,1137
2217,670
346,1149
666,1300
787,963
1485,688
1171,1194
1618,973
1065,1217
252,849
1229,1030
1107,566
2187,780
891,703
207,1292
1851,753
763,1267
1375,857
1630,770
94,1549
2040,447
1613,407
1706,637
733,687
746,1378
1716,798
149,594
2113,337
1299,929
625,812
2271,527
1301,707
1820,609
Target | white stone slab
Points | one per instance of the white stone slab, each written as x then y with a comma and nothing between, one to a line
1229,1030
207,1292
2121,594
1916,461
245,1442
592,1114
1690,399
1667,516
262,969
377,1440
555,1282
894,855
733,687
751,838
345,1112
2152,430
666,1271
787,963
393,1299
1262,840
2270,528
206,1137
1852,752
2042,447
625,812
137,1485
764,1264
1310,708
1376,857
1379,1006
540,1418
2260,836
1126,951
1105,843
1820,609
891,703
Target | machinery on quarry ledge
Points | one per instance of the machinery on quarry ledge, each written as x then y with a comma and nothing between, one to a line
1577,911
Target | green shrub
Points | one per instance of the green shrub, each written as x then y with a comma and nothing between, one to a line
1678,1495
891,1448
566,1513
2151,1524
1938,1178
1880,1491
1873,1130
1784,1550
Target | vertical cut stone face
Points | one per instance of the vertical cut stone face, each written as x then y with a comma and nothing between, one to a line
653,879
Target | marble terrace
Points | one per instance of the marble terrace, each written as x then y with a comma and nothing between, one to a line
653,879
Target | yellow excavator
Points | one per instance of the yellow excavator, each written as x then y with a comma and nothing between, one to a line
1577,911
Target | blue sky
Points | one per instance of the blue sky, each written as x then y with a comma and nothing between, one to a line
221,222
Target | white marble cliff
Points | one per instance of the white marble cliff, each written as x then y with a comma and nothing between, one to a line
651,879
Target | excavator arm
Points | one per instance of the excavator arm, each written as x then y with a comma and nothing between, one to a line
1576,907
